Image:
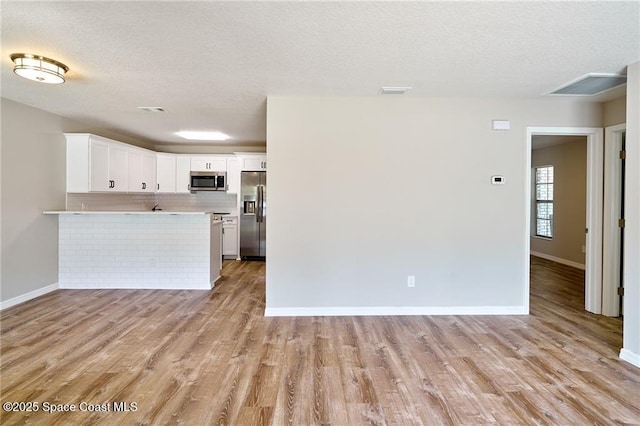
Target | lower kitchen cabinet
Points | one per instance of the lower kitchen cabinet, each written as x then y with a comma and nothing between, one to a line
230,236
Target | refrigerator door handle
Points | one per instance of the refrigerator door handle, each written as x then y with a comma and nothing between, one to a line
260,200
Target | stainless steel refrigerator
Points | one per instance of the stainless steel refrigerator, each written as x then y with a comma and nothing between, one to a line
253,215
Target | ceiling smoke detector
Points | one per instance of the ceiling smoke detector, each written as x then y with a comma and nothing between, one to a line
590,85
394,90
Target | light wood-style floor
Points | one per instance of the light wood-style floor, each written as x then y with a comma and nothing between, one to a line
196,358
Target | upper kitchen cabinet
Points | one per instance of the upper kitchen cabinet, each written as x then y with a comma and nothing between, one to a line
233,175
142,170
183,173
166,172
208,163
96,164
253,162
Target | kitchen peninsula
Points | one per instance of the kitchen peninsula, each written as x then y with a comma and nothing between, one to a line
138,249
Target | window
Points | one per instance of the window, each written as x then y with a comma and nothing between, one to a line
544,201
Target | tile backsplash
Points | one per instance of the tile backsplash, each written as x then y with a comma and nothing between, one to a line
215,201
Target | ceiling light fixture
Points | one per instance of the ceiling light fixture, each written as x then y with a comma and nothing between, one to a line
203,136
38,68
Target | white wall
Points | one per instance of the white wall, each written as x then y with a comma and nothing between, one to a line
631,277
614,111
366,191
33,180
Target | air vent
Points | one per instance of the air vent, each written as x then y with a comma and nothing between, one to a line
590,85
394,90
151,109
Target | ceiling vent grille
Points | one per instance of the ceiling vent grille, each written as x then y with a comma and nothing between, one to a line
590,85
151,109
394,90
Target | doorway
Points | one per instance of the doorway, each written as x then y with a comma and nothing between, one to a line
558,204
594,205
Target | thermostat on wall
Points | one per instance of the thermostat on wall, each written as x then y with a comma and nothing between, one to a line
497,180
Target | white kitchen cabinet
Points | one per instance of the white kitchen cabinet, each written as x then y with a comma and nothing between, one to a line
108,163
96,164
142,170
149,170
206,163
183,173
230,236
233,175
253,163
99,166
166,172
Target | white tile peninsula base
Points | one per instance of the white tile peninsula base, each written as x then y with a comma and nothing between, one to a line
139,251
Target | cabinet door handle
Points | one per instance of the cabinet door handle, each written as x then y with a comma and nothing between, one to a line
144,185
158,187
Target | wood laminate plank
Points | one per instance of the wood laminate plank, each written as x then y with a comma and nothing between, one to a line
200,357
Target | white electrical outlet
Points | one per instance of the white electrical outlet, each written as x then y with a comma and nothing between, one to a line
411,281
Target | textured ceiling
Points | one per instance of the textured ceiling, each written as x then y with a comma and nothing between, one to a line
211,65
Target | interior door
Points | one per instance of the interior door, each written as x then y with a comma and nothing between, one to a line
622,188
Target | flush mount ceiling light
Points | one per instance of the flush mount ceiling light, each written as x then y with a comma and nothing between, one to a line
38,68
590,85
203,136
394,90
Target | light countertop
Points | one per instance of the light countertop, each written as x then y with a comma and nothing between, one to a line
127,212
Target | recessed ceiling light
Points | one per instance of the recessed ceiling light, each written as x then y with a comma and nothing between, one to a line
401,90
151,109
38,68
202,136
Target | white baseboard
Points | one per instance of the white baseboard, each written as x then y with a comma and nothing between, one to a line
153,286
28,296
558,260
630,357
394,311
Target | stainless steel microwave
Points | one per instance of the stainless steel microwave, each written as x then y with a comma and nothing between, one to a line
208,181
